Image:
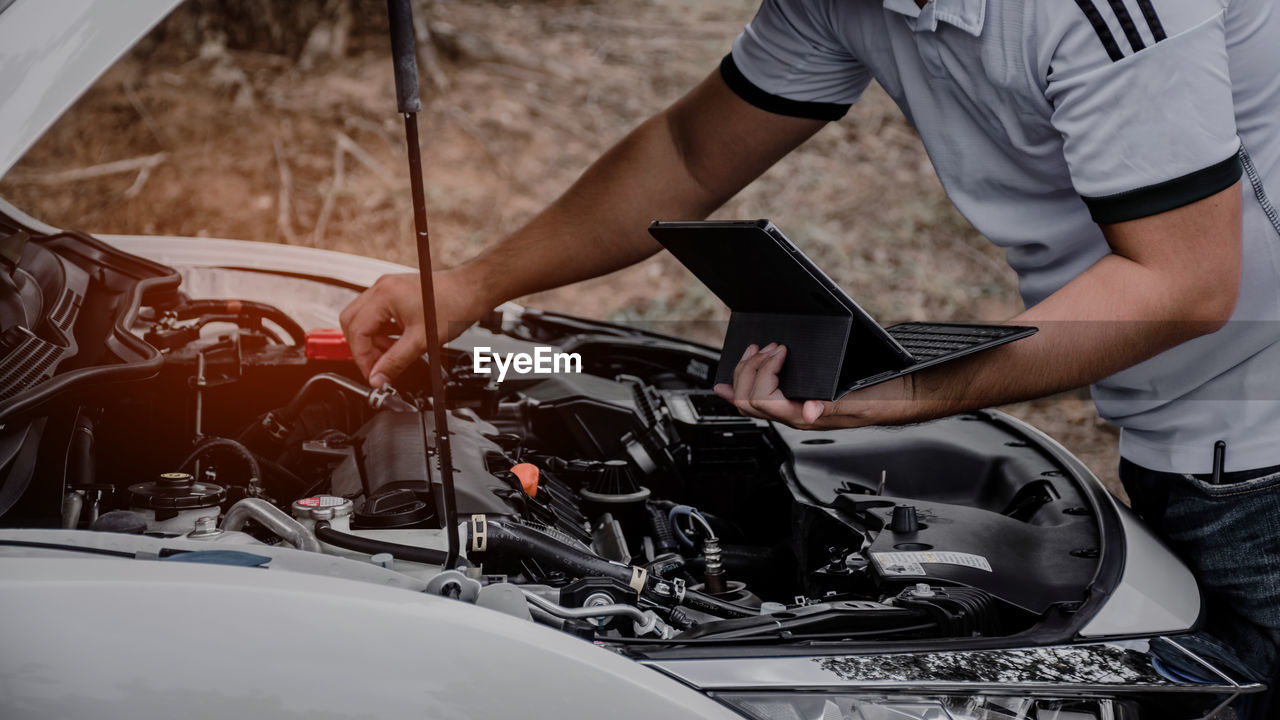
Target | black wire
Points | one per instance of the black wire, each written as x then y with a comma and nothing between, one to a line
213,444
72,548
782,637
370,546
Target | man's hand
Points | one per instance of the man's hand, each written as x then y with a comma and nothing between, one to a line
755,392
385,326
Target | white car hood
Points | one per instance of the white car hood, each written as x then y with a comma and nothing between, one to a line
51,52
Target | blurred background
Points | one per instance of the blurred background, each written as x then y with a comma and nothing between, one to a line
275,121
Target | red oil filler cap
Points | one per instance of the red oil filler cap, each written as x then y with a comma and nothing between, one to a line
327,344
528,474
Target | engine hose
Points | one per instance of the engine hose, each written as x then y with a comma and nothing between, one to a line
716,606
664,540
369,546
272,518
335,380
487,535
209,445
80,454
196,308
680,620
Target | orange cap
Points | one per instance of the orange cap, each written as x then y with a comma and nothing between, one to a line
528,474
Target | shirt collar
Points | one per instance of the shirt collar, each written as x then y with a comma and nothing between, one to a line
968,15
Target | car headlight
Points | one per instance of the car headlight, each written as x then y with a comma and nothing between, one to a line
827,706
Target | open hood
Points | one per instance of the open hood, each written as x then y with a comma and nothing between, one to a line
50,53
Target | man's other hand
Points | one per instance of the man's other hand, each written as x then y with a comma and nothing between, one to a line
755,392
385,326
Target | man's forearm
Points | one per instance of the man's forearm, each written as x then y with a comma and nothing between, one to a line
1088,330
599,224
1177,279
679,165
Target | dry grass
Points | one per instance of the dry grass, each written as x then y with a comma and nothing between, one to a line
267,147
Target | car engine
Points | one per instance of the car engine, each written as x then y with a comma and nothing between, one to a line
624,502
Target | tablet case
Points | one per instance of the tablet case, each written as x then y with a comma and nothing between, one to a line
774,298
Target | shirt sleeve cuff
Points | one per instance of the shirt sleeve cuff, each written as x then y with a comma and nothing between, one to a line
752,94
1158,198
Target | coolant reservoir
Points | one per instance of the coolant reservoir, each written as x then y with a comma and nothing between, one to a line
174,501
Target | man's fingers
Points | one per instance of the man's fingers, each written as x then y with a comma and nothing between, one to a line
746,355
397,358
813,410
724,390
361,329
745,379
765,382
766,398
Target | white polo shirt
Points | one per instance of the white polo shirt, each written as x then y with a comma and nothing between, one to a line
1046,117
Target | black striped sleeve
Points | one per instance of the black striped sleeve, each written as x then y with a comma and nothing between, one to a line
1153,21
775,104
1161,197
1127,25
1100,27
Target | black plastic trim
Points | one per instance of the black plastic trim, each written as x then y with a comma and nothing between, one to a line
745,89
1168,195
140,360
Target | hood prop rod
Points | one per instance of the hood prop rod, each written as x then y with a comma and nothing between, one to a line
405,57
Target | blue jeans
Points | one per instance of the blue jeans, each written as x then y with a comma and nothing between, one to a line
1229,535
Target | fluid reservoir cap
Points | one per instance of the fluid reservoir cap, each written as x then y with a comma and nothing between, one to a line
327,344
322,507
176,491
396,508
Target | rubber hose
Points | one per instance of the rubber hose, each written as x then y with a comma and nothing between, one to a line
80,454
196,308
272,518
210,444
716,606
680,620
521,540
501,536
369,546
300,398
664,540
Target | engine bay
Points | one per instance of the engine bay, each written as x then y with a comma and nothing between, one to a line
626,502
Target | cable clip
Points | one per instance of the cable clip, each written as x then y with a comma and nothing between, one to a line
479,533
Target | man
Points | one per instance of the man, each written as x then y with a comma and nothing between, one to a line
1119,150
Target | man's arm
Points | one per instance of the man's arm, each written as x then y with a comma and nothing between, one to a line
680,164
1170,277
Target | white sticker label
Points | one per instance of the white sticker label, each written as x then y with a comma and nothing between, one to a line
900,568
909,563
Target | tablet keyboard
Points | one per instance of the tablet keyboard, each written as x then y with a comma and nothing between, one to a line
929,340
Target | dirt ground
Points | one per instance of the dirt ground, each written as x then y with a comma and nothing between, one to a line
307,149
